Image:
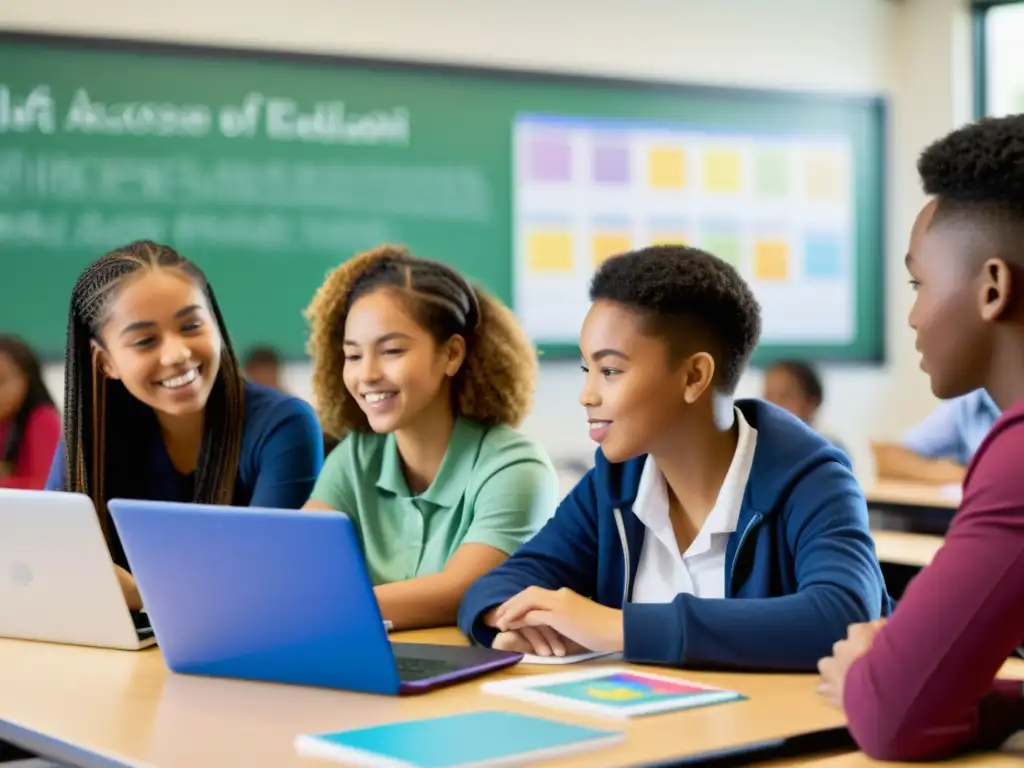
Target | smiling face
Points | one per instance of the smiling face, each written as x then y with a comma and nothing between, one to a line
953,338
394,369
634,395
160,339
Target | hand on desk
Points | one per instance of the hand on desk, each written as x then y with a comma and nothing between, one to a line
556,620
833,669
128,587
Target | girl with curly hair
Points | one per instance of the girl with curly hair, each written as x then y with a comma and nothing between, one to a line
155,405
424,379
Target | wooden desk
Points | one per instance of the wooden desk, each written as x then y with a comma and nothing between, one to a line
98,708
902,548
919,495
912,506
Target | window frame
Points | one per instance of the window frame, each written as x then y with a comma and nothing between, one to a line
979,12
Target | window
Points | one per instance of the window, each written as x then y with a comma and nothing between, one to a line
1000,58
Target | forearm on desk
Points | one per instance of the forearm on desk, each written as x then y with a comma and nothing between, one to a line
895,462
425,601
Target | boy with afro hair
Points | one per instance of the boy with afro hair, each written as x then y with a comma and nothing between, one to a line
923,685
711,532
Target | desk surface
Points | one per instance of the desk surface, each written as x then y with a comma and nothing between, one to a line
902,548
96,707
896,494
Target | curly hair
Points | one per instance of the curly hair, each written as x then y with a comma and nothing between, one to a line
686,297
977,173
497,379
102,420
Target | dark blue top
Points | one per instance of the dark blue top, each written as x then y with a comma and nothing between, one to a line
282,453
800,567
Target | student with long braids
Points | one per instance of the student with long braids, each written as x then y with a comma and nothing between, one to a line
29,420
424,379
155,406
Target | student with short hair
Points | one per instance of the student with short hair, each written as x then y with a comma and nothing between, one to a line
155,406
923,685
262,364
425,378
710,532
29,420
795,386
939,448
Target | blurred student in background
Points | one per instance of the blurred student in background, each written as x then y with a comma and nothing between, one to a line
938,449
262,364
155,404
29,421
796,386
425,379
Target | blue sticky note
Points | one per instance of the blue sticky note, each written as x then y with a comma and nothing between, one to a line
463,740
822,256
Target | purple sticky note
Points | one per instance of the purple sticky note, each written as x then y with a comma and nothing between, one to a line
611,164
550,159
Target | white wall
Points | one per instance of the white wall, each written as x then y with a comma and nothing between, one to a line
917,51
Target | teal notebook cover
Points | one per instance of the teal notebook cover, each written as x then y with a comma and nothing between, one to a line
470,739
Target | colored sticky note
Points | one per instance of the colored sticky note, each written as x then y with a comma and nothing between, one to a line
822,256
549,251
606,244
726,246
666,168
773,171
771,260
670,238
722,171
550,159
826,175
611,164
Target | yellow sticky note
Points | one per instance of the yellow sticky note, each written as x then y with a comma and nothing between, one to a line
826,176
666,168
670,238
771,260
722,171
549,251
609,244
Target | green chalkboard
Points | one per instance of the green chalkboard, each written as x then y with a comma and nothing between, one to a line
268,170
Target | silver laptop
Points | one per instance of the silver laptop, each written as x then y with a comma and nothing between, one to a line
57,581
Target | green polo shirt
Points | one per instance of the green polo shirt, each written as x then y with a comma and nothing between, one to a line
494,487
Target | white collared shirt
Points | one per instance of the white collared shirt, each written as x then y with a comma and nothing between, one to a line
663,573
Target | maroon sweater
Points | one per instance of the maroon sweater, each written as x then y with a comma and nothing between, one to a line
927,687
38,444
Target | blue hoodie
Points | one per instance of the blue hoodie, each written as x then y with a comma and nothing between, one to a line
800,567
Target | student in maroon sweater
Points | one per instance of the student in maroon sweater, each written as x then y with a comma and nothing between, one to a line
29,422
922,686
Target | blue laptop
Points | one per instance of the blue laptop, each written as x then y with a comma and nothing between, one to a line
276,595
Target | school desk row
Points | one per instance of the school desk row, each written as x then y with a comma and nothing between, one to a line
100,708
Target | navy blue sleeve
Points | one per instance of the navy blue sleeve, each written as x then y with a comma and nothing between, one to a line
839,582
56,481
290,456
562,554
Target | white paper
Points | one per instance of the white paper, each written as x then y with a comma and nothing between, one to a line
573,658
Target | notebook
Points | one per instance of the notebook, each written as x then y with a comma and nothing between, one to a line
573,658
612,692
485,738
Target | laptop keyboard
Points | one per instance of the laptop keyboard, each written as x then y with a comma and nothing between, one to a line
142,626
411,669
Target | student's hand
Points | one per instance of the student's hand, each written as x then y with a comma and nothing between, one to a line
833,669
540,641
128,587
582,621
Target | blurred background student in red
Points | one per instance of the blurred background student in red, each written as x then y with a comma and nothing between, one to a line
30,425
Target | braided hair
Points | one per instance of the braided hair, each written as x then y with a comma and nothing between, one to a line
36,394
102,419
496,382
